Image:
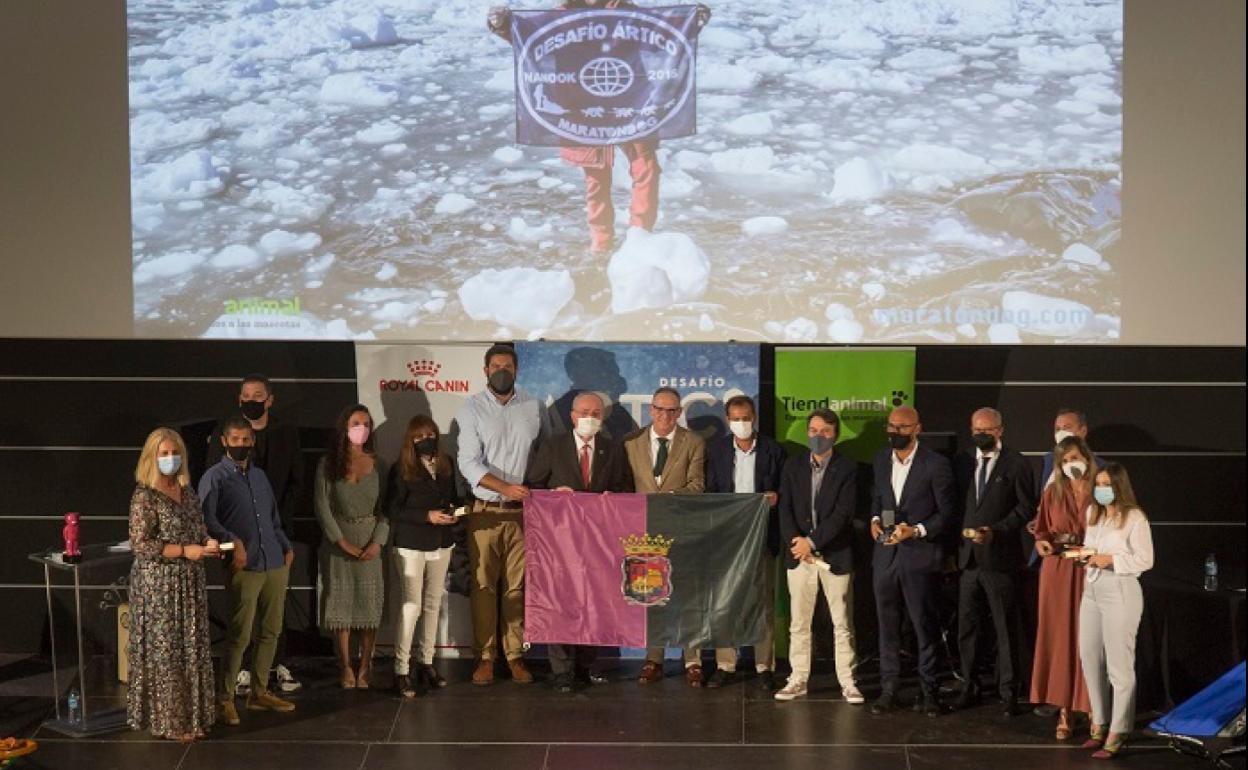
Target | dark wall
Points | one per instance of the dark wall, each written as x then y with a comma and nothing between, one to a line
77,412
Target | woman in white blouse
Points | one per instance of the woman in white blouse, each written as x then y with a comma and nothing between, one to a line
1118,548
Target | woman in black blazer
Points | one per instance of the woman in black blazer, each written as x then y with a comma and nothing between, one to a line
420,500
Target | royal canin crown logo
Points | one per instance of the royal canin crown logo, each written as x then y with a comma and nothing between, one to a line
424,368
424,377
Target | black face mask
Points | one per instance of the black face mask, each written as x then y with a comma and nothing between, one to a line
898,440
427,447
502,381
984,441
252,410
238,453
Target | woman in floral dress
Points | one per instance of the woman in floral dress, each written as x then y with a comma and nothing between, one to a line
170,690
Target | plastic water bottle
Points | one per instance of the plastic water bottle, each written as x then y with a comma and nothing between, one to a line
1211,573
75,706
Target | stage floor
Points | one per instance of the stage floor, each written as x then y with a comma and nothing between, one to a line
617,725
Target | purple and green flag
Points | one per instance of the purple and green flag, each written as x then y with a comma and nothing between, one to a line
632,570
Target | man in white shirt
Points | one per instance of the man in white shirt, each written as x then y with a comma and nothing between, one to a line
914,487
747,462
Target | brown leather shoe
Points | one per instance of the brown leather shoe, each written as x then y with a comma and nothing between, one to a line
693,675
519,673
650,672
227,713
267,701
483,674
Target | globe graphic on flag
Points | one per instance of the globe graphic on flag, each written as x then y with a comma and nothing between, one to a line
606,76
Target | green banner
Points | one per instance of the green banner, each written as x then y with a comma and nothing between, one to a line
862,385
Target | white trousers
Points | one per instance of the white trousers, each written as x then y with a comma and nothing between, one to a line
422,584
805,580
1109,617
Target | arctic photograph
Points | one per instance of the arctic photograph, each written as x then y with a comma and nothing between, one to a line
909,171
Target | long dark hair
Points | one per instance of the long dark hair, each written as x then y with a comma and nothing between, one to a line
337,460
409,461
1124,495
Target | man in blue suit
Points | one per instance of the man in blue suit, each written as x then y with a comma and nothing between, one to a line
747,462
913,488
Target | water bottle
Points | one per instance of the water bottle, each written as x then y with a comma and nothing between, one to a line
75,707
1211,573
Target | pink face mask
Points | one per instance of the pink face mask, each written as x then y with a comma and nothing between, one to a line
357,434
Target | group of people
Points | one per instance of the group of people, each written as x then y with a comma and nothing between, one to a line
1091,540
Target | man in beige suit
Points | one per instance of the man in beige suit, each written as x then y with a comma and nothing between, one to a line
665,457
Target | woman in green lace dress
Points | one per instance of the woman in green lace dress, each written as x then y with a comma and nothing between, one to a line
348,506
170,691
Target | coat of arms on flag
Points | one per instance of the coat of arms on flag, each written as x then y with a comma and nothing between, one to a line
647,571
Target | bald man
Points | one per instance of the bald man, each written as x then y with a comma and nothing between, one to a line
997,491
580,460
912,512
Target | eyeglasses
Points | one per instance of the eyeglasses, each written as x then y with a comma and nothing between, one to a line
668,410
895,426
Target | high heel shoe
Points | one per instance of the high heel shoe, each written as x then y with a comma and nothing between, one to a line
1062,733
431,678
1096,737
403,685
1112,748
361,679
347,678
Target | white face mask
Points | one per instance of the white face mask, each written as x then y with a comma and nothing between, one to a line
1061,435
1075,469
742,429
586,427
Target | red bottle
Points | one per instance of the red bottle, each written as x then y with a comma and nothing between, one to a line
72,553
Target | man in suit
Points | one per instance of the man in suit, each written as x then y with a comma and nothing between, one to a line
580,460
817,499
999,499
914,488
665,457
747,462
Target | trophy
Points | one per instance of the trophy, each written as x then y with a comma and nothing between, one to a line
888,522
71,555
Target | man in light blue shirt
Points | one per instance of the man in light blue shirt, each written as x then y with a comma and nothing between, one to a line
498,430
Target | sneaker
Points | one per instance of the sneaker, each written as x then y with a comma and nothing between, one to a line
286,682
227,713
794,688
853,696
267,701
242,685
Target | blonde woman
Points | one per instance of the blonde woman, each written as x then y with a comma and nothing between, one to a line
1056,676
1118,548
170,691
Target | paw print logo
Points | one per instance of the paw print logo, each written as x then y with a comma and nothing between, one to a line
900,397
